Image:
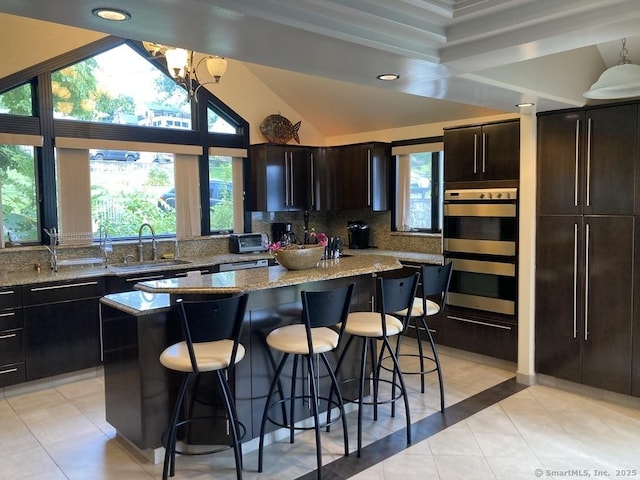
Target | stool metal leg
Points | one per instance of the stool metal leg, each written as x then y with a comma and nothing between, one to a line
436,359
263,424
169,467
232,416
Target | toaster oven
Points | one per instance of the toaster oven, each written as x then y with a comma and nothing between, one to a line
248,242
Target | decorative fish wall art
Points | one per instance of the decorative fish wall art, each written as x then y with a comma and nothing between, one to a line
278,129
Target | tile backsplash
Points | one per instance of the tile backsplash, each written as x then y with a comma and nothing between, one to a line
22,258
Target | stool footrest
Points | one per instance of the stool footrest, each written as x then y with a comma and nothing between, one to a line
331,404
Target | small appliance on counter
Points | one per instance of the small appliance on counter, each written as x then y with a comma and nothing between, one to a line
281,231
248,242
358,234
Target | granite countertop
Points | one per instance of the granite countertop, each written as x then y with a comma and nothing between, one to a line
46,275
271,277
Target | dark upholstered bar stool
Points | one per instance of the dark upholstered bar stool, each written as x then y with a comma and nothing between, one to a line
323,315
211,344
371,328
435,285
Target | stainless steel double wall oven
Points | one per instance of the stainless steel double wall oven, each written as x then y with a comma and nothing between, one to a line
481,239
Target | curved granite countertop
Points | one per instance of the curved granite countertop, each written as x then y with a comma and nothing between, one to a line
271,277
46,275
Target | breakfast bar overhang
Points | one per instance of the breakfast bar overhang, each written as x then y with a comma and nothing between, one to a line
138,325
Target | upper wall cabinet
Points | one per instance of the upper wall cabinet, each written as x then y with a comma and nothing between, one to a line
281,178
587,161
483,152
354,177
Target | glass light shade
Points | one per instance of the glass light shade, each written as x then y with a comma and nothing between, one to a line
620,81
216,67
177,61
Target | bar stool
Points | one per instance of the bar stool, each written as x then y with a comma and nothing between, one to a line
392,294
211,344
323,314
435,281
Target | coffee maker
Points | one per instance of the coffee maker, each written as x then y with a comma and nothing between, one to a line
282,232
358,234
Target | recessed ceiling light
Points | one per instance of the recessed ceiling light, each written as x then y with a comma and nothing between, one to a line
525,104
111,14
388,77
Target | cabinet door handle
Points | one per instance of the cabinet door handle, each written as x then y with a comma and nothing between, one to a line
484,152
586,281
7,292
286,179
588,163
475,153
575,180
291,193
313,184
59,287
8,314
8,370
9,335
575,280
369,178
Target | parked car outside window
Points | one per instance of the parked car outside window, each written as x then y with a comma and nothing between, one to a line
218,189
120,155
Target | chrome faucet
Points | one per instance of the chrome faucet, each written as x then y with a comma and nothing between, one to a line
105,243
154,246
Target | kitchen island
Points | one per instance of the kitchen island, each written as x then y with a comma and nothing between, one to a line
137,326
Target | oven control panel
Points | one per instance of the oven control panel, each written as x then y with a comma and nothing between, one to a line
467,194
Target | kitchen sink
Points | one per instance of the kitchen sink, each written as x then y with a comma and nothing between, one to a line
148,265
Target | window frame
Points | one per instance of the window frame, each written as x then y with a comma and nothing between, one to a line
437,168
43,123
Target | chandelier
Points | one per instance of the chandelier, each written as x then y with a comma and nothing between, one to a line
183,68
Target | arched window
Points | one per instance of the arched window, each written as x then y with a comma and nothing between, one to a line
122,146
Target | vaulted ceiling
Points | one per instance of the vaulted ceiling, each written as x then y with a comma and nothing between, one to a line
456,58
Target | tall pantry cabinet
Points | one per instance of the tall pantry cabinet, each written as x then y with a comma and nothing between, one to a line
587,179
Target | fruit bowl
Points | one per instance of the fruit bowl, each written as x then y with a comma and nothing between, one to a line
300,258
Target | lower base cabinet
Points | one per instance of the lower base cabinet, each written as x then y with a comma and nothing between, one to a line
12,365
62,327
484,335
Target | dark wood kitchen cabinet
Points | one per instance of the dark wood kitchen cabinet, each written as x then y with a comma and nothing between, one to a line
584,299
281,178
354,177
62,326
587,161
482,152
12,365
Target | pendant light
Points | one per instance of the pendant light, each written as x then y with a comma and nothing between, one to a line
619,81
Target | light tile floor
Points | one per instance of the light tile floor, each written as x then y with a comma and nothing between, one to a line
539,432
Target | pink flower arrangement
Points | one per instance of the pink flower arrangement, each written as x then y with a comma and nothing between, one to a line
314,238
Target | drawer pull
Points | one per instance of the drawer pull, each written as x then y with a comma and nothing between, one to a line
477,322
7,292
8,314
57,287
10,335
10,370
139,279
